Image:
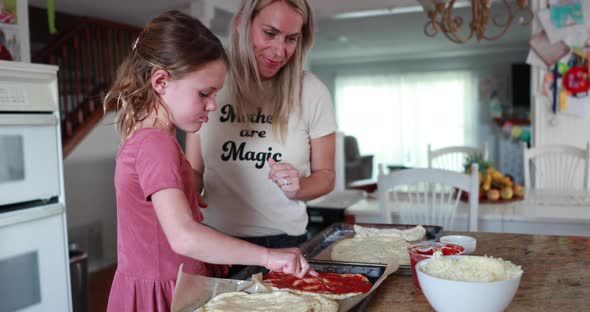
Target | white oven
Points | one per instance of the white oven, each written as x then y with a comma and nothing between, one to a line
34,260
29,158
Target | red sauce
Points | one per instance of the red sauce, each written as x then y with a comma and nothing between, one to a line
446,250
338,283
419,253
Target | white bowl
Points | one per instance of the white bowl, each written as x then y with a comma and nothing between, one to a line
457,296
467,242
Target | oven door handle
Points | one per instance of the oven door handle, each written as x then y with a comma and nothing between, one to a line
28,120
30,214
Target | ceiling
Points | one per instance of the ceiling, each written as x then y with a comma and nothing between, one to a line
385,34
138,12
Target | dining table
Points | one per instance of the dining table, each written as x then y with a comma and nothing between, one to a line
556,274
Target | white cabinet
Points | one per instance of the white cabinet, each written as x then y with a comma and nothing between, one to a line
15,36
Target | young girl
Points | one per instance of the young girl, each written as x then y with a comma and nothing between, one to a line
169,80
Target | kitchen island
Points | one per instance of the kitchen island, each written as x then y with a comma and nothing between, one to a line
556,274
541,212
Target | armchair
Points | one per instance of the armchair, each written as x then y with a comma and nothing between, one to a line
357,167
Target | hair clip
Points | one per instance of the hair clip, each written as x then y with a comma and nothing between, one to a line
135,43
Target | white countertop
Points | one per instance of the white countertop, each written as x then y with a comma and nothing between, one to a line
542,207
551,206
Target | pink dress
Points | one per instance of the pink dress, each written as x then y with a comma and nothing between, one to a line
149,161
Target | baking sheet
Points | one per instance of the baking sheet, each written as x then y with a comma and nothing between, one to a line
193,291
374,273
319,247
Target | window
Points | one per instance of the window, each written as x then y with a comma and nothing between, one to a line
395,116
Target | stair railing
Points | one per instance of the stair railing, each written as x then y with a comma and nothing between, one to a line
88,56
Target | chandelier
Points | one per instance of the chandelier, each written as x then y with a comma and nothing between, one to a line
441,19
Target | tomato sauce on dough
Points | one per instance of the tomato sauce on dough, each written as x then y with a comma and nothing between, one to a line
337,283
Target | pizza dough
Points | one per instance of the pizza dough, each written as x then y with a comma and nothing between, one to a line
374,249
271,302
410,235
328,296
373,245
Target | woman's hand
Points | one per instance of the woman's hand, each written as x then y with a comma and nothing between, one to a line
286,177
288,261
321,179
201,201
200,188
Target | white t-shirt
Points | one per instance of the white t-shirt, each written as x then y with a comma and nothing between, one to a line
241,200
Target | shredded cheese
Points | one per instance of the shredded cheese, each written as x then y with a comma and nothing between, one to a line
471,269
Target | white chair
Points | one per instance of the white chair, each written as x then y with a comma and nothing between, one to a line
556,167
428,196
453,157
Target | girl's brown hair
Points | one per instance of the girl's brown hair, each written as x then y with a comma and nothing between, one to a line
173,41
286,86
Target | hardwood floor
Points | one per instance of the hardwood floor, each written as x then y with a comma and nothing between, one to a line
99,286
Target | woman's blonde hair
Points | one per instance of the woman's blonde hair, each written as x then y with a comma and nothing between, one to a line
173,41
286,85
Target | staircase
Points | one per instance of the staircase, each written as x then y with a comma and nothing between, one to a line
87,56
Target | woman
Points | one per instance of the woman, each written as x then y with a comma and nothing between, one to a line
270,146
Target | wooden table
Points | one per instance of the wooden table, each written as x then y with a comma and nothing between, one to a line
556,274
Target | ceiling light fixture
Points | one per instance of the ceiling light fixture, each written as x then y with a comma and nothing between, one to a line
441,18
378,12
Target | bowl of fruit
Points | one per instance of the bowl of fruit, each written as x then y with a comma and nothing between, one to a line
494,187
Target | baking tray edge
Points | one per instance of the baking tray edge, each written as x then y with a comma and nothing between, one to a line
360,307
311,248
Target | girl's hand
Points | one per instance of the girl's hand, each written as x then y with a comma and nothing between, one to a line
288,261
285,176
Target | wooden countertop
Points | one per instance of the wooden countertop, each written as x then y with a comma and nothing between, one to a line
556,274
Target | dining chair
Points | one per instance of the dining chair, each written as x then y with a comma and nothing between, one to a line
556,166
453,157
428,196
